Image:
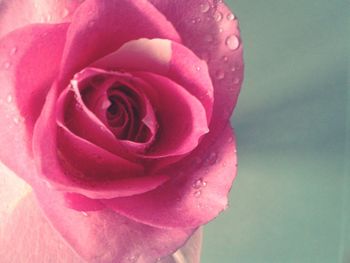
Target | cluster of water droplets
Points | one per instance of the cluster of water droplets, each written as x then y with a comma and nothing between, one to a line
207,13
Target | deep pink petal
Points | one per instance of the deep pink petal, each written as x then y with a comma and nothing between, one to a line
100,27
85,115
29,60
181,117
211,31
96,173
18,13
166,58
196,193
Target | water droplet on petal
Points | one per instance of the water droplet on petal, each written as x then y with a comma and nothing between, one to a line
16,120
204,7
220,74
232,42
236,81
197,193
221,30
212,158
78,106
91,23
9,99
233,69
199,184
13,51
198,19
230,16
218,16
84,213
225,58
208,38
193,21
198,68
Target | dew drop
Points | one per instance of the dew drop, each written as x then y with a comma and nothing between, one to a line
78,106
198,68
220,74
198,20
208,38
9,99
16,120
230,16
197,193
84,213
232,42
91,23
199,184
13,51
212,158
236,81
7,65
218,16
193,21
221,30
225,58
204,7
233,69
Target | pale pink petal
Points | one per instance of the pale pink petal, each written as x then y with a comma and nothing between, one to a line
106,237
100,27
196,193
29,59
97,237
18,13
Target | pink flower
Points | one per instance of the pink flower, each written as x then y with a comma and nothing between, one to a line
117,114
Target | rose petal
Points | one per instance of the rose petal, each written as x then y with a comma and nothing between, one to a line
96,173
106,237
216,39
196,193
181,117
100,237
166,58
29,59
104,26
18,13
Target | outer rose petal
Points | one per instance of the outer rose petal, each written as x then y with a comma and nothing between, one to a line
27,236
17,13
29,60
103,26
106,237
195,195
216,39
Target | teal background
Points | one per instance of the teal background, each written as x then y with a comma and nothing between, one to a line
291,200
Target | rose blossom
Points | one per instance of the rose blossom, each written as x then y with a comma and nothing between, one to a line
117,113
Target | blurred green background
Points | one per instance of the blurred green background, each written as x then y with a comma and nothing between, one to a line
291,199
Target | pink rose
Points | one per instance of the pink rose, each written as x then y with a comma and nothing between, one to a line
117,114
